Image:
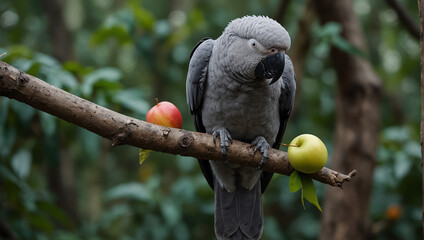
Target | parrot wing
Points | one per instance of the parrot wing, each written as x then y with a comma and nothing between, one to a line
195,85
288,90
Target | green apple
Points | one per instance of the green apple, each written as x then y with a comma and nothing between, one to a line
307,153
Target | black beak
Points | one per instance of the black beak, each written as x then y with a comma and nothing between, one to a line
271,67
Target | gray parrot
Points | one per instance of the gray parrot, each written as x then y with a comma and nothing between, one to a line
241,86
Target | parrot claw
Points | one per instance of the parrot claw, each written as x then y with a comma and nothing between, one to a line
261,144
225,139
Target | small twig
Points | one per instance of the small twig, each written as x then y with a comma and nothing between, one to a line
405,18
288,145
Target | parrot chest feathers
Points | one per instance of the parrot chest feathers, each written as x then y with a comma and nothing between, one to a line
245,111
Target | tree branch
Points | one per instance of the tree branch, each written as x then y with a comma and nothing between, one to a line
121,129
405,18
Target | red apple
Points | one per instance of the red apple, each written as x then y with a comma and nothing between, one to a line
165,114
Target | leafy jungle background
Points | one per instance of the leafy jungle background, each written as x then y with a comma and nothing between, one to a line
58,181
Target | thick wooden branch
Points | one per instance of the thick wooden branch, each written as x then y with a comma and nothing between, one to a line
121,129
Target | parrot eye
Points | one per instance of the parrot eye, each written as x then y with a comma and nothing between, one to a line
253,43
273,50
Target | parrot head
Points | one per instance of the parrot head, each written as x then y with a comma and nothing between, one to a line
255,47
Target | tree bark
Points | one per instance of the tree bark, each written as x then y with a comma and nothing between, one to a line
421,12
358,97
121,129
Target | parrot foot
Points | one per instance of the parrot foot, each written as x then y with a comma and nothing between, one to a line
225,139
262,145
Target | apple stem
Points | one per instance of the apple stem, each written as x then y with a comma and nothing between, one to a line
288,145
157,101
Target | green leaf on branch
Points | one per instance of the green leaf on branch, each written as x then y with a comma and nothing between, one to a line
330,34
143,155
298,181
295,182
344,45
308,191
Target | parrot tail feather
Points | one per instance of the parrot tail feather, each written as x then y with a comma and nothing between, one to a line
238,214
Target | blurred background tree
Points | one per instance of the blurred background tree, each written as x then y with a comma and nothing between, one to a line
58,181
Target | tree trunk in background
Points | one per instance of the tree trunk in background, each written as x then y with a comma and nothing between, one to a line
61,168
58,31
358,97
282,10
421,12
302,44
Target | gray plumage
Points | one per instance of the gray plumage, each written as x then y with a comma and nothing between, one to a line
241,86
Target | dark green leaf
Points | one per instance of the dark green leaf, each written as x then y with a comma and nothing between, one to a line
107,85
6,173
118,32
55,212
143,17
76,68
17,51
114,27
107,74
40,222
132,99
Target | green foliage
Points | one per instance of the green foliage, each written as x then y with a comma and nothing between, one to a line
299,181
329,35
126,53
